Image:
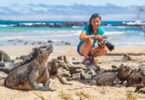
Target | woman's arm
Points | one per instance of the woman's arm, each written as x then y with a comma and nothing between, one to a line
83,36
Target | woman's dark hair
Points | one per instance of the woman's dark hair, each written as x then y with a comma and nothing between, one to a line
90,25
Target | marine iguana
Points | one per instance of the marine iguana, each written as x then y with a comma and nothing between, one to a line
5,62
109,77
135,78
53,67
29,75
141,87
4,56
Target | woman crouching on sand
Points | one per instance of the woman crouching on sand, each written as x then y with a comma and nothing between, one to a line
88,37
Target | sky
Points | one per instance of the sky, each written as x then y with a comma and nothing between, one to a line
70,2
69,9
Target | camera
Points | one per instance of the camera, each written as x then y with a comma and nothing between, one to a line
107,43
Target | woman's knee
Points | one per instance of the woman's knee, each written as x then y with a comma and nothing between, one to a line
100,52
104,50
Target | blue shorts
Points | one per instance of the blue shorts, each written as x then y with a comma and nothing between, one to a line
78,50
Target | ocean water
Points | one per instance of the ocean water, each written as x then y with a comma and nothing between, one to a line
117,35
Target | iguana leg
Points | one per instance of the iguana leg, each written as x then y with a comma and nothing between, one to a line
115,83
92,82
139,87
61,80
31,80
47,86
46,80
47,83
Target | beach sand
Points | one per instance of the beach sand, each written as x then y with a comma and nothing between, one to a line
77,91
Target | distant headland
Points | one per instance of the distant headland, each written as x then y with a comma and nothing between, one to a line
69,24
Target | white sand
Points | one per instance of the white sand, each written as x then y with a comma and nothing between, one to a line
77,90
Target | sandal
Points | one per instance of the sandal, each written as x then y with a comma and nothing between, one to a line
91,59
86,61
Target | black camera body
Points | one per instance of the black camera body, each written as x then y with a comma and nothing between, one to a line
107,43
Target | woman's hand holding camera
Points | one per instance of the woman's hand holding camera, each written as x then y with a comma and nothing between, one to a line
99,37
100,44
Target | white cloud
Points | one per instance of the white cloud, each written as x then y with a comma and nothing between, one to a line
116,17
61,12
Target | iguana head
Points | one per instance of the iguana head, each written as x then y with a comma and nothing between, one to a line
46,48
55,64
124,71
43,50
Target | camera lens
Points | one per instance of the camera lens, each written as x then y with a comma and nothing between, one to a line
109,46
